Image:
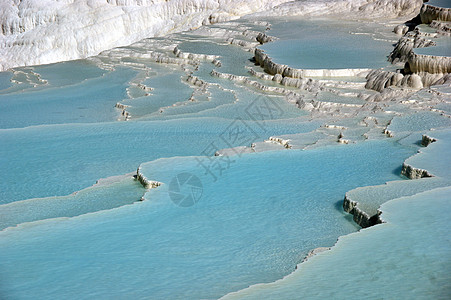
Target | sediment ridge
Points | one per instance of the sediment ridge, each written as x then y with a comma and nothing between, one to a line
359,216
195,56
303,84
146,183
283,142
414,173
273,68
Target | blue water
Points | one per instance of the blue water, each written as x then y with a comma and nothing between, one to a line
253,223
88,101
61,159
58,75
324,45
442,48
5,78
62,137
232,58
439,3
149,249
168,90
418,121
410,250
411,253
255,217
112,192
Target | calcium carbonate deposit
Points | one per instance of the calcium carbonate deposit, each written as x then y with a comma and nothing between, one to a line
206,149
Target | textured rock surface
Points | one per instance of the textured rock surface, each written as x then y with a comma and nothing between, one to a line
428,63
414,173
429,13
46,31
426,140
146,183
442,27
359,8
401,29
405,45
379,80
359,216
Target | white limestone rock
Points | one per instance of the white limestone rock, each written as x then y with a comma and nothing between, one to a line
401,29
361,9
47,31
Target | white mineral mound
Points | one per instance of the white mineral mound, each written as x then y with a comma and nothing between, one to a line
350,9
45,31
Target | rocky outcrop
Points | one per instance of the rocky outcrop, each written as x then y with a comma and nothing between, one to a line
196,81
445,79
429,13
262,38
419,70
413,81
264,61
427,140
442,27
232,77
284,143
342,140
124,113
263,75
406,44
241,43
304,84
429,79
427,63
379,80
194,56
414,173
401,29
216,17
359,216
146,183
